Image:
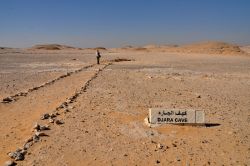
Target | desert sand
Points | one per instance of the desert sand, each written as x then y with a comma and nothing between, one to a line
101,108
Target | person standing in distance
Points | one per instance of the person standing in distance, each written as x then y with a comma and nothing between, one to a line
98,56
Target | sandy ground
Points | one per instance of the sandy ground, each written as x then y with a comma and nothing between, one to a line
105,124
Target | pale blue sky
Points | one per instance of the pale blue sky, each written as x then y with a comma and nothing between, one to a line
114,23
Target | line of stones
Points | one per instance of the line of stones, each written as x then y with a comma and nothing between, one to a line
38,129
15,97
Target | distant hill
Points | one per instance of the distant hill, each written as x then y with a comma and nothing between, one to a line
52,47
246,48
209,48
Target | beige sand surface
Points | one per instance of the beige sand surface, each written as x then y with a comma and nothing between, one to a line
105,123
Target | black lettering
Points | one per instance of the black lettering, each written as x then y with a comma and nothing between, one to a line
183,120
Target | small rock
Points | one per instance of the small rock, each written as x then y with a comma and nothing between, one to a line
8,100
11,154
52,115
26,146
158,161
35,138
178,159
45,116
51,120
174,145
66,110
19,157
58,122
18,154
159,146
70,107
198,96
9,163
45,127
23,94
36,126
40,134
23,151
29,140
204,141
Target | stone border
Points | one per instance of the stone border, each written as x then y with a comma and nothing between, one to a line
38,130
15,97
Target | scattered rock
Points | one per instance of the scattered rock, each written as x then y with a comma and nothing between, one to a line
58,122
9,163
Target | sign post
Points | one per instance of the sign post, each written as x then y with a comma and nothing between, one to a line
175,116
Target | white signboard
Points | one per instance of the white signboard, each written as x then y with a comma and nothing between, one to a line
162,115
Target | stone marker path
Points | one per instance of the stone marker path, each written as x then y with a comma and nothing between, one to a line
16,96
19,117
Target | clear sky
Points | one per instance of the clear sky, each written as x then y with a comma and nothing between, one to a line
114,23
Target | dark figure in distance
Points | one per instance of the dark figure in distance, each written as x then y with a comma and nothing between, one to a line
98,56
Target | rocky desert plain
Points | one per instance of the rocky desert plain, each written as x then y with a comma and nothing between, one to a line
58,107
